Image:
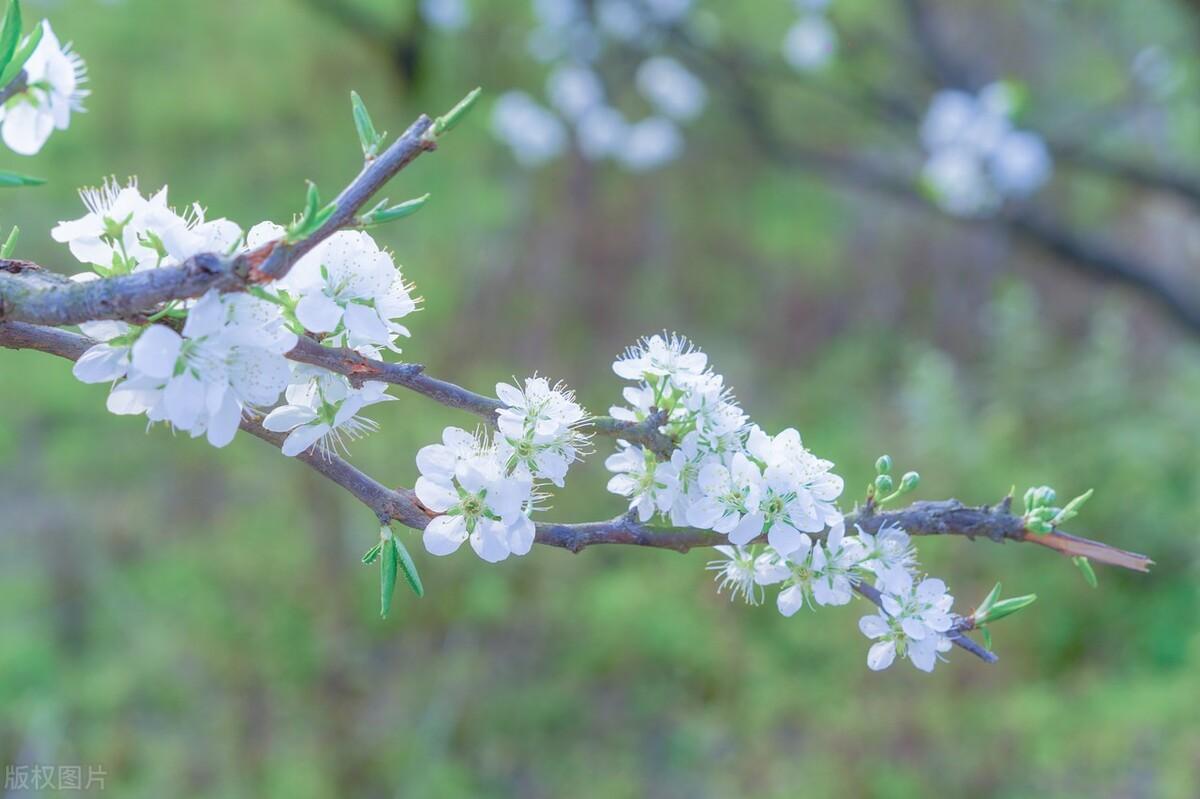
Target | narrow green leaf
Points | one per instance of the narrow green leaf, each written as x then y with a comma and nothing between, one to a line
12,179
987,637
981,612
372,553
10,244
22,55
379,215
1071,510
446,123
1085,568
10,34
1007,607
387,576
367,137
409,568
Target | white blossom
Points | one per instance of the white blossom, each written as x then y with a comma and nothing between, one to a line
539,428
810,43
889,555
534,134
661,356
350,288
649,484
574,90
799,490
913,623
737,570
322,411
729,500
671,88
651,143
54,76
478,499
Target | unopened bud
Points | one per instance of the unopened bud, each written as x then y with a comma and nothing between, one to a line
883,465
883,484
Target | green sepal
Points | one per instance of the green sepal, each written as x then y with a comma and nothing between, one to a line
409,568
22,55
10,34
10,244
12,179
387,575
1085,568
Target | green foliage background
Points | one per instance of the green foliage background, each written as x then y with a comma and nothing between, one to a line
197,621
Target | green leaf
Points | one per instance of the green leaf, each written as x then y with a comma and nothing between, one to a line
378,215
12,179
1071,510
387,576
18,61
372,554
447,122
10,34
986,605
10,244
367,137
1007,607
987,637
1085,568
409,568
314,215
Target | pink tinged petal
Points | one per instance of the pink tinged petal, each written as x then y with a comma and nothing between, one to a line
155,352
365,326
873,626
100,364
881,655
318,313
790,600
444,535
286,417
223,425
302,438
436,495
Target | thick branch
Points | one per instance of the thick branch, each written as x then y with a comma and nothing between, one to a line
129,295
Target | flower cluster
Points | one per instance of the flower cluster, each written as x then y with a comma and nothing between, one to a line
570,37
201,366
976,157
486,488
811,42
54,78
774,499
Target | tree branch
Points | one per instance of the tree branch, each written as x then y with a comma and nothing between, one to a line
138,293
947,517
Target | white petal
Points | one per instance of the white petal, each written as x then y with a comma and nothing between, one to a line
100,364
184,400
790,600
286,417
444,535
881,655
435,494
318,313
365,326
873,626
302,438
223,425
156,351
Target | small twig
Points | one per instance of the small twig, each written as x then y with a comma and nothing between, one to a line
957,634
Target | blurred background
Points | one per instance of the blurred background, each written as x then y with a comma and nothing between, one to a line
197,621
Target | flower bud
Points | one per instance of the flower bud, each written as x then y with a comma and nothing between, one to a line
909,481
883,484
883,465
